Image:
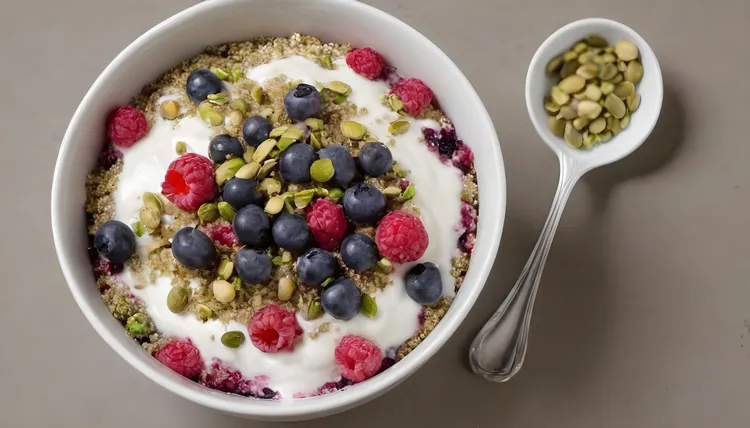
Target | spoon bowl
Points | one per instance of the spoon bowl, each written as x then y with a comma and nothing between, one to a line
642,121
498,351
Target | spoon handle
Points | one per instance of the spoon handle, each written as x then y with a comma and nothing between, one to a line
498,351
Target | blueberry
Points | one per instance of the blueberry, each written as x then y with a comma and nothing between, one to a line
364,203
240,192
115,241
291,232
256,130
341,299
423,284
201,83
315,266
375,159
193,248
251,227
343,163
358,251
253,266
223,147
295,162
301,102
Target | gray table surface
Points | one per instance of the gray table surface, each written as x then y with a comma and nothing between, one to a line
644,313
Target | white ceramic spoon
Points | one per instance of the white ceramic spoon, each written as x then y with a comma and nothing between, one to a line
497,352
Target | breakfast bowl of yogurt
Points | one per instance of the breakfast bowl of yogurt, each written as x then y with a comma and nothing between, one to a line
284,218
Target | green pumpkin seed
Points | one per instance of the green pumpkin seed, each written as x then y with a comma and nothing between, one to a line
138,229
257,94
210,115
220,98
278,132
398,127
326,282
226,211
152,200
391,192
353,130
303,198
204,312
274,205
180,148
237,284
233,339
321,192
294,134
315,141
322,170
284,143
615,105
288,206
228,170
266,169
368,305
326,62
177,299
335,194
286,289
241,105
314,123
248,155
634,72
385,265
270,186
225,269
556,126
208,212
409,192
248,171
220,73
339,87
314,309
286,257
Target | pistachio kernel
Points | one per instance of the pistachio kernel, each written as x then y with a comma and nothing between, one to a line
339,99
152,200
220,98
286,257
233,339
257,94
267,167
286,289
226,267
228,169
339,87
303,198
395,103
398,127
315,141
139,325
276,261
208,212
322,170
274,205
288,206
409,192
626,50
149,217
226,211
353,130
209,114
138,229
326,282
180,148
236,75
335,194
314,123
262,151
237,283
321,192
204,312
385,265
369,307
177,299
169,110
223,291
314,309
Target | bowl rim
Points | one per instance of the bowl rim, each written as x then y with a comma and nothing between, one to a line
316,406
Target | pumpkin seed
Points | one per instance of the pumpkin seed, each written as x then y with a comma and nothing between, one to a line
257,94
220,98
303,198
138,229
615,105
262,151
233,339
339,87
392,192
274,205
322,170
626,50
278,132
314,123
220,73
326,282
225,269
267,167
314,309
335,194
315,141
409,192
226,211
228,169
152,200
240,104
204,312
210,115
248,171
177,299
368,305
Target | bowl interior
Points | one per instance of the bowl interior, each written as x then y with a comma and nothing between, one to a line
217,21
538,85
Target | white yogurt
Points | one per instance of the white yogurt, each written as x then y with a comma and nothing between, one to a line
312,363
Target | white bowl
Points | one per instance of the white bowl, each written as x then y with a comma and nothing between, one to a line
187,34
651,89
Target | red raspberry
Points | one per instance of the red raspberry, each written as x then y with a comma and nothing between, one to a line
327,223
181,356
217,376
189,181
414,94
221,234
102,267
359,358
466,242
468,217
463,157
126,126
401,237
273,329
366,62
109,157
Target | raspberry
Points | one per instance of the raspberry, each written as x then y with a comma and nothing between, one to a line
468,217
189,181
366,62
327,223
221,234
102,267
181,356
109,157
359,358
126,126
401,237
414,94
221,378
273,329
466,242
463,157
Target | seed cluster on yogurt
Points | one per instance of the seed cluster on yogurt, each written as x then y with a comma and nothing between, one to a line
281,218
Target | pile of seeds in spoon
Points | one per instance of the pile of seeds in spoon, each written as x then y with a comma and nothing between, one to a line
596,91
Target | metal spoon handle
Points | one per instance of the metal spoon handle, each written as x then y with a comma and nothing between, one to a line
498,351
